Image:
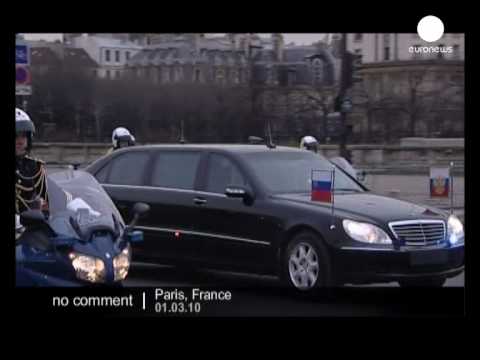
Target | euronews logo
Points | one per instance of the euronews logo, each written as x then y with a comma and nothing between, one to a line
430,29
430,49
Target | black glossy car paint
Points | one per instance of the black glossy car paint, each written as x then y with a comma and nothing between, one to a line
213,229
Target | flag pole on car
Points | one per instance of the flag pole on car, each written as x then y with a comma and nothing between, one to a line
332,225
322,189
451,187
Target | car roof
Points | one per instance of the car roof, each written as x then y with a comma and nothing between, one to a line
232,148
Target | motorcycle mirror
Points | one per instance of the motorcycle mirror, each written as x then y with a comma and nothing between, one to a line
141,209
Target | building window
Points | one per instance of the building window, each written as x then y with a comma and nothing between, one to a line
318,70
456,51
117,74
107,55
386,40
387,53
269,75
107,74
117,56
292,77
127,55
219,76
178,74
197,75
358,37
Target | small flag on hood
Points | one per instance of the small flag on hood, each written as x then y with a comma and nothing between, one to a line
439,182
322,185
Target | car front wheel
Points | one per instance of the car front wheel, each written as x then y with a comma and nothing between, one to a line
306,264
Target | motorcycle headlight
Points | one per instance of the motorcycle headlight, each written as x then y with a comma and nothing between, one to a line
121,264
366,233
88,268
455,231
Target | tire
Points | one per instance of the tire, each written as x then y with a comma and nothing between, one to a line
306,265
433,282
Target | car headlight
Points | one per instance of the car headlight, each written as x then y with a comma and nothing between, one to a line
366,233
88,268
455,231
121,264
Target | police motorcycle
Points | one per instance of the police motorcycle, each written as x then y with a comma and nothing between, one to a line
81,241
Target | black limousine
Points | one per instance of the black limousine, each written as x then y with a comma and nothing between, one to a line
248,208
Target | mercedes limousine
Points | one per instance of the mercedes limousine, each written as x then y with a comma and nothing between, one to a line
248,208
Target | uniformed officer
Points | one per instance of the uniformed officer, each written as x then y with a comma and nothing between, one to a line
30,173
309,143
121,137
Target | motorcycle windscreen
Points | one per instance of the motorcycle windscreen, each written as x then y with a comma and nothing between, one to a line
77,203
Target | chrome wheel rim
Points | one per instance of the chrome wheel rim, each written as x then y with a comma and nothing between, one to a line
303,266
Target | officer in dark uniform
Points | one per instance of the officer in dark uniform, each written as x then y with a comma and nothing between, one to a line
30,173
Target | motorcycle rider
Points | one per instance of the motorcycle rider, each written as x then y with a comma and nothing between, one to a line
309,143
121,137
30,173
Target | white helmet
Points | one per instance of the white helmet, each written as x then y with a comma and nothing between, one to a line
23,124
309,143
121,134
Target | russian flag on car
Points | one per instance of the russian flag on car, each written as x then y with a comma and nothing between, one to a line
439,182
322,185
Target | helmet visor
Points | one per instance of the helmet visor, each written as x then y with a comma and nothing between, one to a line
24,126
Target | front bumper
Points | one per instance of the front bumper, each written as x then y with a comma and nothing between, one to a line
366,265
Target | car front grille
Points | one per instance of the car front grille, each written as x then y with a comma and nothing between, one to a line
419,232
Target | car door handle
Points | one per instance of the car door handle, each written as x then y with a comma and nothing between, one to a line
199,201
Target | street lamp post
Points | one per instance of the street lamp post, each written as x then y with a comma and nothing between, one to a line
341,96
253,89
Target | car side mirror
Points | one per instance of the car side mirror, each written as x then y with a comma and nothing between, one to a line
240,192
32,218
141,209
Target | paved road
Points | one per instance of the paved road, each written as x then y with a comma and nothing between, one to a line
143,274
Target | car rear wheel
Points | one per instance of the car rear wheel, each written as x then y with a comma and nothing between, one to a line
306,265
435,282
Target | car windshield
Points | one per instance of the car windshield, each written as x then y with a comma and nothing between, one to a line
77,202
291,171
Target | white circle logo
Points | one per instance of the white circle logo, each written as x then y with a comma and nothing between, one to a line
430,28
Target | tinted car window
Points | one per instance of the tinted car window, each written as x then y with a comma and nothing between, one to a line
128,169
290,172
221,173
101,175
175,169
